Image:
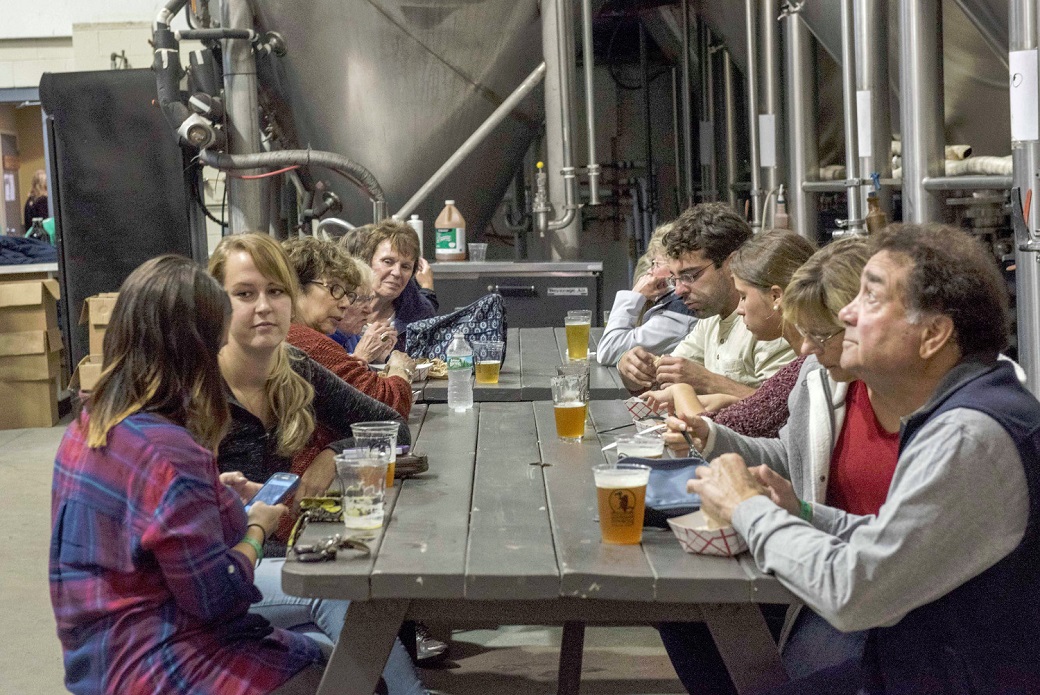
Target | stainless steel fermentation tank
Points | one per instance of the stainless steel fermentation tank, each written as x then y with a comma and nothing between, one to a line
398,86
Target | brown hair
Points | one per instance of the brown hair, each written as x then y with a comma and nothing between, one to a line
826,283
288,393
952,274
771,258
160,352
353,241
402,238
714,228
315,259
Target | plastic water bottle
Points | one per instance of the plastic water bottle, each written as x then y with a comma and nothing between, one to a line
460,374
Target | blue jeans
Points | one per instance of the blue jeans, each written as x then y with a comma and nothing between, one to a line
322,620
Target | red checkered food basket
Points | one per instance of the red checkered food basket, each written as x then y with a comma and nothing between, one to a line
695,537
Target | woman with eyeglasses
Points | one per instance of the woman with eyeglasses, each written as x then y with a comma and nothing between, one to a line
329,282
650,314
839,446
761,269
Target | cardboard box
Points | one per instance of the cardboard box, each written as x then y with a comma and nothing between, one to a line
30,355
28,404
89,371
97,311
29,306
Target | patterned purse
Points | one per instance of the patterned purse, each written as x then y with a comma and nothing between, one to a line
484,319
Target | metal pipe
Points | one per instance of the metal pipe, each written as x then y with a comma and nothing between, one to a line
1025,155
921,106
709,161
848,91
333,222
873,113
473,141
247,198
557,49
588,60
644,64
687,108
752,108
802,128
772,103
731,128
963,183
677,141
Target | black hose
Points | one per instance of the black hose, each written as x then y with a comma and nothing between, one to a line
348,168
215,34
168,72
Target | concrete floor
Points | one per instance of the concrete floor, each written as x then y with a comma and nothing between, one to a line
509,660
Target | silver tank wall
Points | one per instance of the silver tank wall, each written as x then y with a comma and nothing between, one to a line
398,86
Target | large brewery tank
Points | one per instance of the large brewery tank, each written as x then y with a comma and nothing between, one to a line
399,85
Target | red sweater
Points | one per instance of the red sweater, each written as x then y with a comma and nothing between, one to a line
392,390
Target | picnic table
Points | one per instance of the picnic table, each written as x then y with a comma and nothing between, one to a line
502,529
532,355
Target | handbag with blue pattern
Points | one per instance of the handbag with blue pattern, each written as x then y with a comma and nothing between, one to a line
483,320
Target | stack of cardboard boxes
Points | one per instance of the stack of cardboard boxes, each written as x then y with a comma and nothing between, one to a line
97,311
30,354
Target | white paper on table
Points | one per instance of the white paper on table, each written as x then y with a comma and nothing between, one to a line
864,124
1025,114
767,140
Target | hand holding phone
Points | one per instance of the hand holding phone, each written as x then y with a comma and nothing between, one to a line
278,488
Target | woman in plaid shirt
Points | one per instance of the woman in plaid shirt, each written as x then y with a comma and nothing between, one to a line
151,558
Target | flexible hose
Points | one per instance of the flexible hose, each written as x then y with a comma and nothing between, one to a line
350,169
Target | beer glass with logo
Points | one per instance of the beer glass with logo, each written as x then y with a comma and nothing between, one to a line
362,473
487,356
381,435
621,497
577,324
570,394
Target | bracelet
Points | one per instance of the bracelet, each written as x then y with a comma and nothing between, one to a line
806,510
263,532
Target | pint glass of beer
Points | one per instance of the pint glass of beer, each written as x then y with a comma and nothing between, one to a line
578,323
487,356
381,436
621,494
570,401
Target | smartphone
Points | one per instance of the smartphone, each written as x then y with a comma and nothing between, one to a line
276,490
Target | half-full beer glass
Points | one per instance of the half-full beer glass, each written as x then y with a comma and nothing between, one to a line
621,496
380,435
487,356
570,401
577,324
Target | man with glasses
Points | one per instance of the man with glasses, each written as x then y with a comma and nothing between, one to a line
720,355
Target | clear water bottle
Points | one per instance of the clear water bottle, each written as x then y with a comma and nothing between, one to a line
460,374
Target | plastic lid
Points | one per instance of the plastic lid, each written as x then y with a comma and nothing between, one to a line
449,202
415,217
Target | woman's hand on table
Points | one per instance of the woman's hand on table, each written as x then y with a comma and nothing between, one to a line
692,425
241,485
316,480
424,274
723,485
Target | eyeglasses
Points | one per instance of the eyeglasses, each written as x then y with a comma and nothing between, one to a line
337,291
687,277
818,340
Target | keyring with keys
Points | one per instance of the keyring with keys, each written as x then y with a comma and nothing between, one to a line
326,548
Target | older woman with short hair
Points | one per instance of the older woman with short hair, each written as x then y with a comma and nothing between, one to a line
403,284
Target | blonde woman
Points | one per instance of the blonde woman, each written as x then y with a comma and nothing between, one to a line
277,394
36,205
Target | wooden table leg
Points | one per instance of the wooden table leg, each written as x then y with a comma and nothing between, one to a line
748,650
358,659
572,647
